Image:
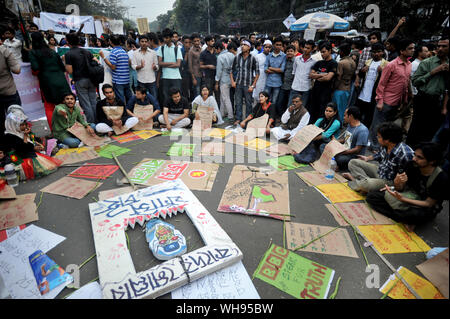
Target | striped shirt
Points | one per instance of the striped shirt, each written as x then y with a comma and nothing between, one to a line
246,70
119,58
392,162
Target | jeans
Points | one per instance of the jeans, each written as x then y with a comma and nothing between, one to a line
133,79
225,100
74,142
303,94
243,93
151,88
167,84
387,114
5,102
123,92
196,88
273,93
282,102
87,95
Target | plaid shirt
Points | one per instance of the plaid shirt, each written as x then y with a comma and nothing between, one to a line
392,162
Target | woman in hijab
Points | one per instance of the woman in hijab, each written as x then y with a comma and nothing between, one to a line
23,149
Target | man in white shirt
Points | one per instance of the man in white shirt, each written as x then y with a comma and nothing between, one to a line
421,53
303,64
13,44
261,59
293,120
145,62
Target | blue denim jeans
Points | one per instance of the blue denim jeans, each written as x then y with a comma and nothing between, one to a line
123,92
151,88
73,142
273,93
242,92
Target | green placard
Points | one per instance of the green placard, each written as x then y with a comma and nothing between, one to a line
178,149
142,173
293,274
283,163
107,150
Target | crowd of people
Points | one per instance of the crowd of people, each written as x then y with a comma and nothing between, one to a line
385,100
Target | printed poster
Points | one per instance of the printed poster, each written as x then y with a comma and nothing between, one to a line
295,275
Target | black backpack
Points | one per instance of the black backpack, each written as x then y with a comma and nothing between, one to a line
96,72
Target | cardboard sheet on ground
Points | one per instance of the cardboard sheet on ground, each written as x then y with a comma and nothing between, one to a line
239,139
92,171
392,239
197,176
107,151
19,211
71,187
339,193
174,132
181,150
75,157
88,291
254,191
337,242
278,150
436,271
15,267
65,151
331,149
80,132
145,112
114,192
357,214
146,134
284,163
213,149
126,137
423,287
295,275
257,126
257,144
303,137
6,191
315,178
232,282
218,133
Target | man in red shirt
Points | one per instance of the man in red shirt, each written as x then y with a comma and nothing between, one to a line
393,89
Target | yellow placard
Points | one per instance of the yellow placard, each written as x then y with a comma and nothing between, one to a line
392,239
64,151
146,134
258,144
339,193
219,133
423,287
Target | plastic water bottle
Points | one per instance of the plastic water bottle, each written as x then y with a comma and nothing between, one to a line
11,176
329,173
62,146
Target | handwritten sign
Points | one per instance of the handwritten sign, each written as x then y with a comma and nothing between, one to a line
239,139
332,148
114,113
75,157
230,283
219,133
71,187
337,242
125,138
181,150
392,239
144,113
146,134
304,137
205,114
436,271
339,193
6,191
277,150
257,126
15,212
107,151
299,277
286,162
92,171
357,214
315,178
81,132
257,144
423,287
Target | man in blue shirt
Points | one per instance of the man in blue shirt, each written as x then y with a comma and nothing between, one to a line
119,62
274,68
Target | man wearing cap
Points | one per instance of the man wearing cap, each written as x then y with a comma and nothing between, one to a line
247,73
261,59
274,68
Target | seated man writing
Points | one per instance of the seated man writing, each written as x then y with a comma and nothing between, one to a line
64,117
106,121
138,103
293,120
418,193
175,111
392,158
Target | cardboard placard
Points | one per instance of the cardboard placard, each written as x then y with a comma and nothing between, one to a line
107,151
125,138
298,276
253,191
181,150
114,192
278,150
339,193
219,133
283,163
146,134
392,239
206,116
213,149
357,214
71,187
197,128
315,178
92,171
113,112
145,112
436,271
239,139
6,191
197,176
331,149
337,242
75,157
81,133
257,126
257,144
304,137
19,211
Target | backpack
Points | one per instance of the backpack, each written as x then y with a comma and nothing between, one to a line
176,52
96,72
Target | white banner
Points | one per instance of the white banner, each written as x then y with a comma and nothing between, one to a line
116,26
65,23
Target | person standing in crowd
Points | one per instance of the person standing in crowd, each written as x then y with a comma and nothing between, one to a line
176,111
323,73
274,68
421,53
132,48
12,43
76,65
288,77
145,62
223,82
392,47
194,63
345,71
52,43
49,68
392,90
261,59
247,73
208,63
169,60
366,54
303,64
186,79
431,80
119,62
8,92
370,74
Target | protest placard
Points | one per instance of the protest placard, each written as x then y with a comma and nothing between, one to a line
144,113
357,214
92,171
213,149
339,193
303,137
81,132
71,187
257,126
286,162
436,271
257,144
19,211
315,178
107,151
180,150
331,149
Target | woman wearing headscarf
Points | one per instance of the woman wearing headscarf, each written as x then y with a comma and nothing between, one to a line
49,68
23,149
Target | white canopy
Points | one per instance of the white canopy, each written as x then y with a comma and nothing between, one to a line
321,21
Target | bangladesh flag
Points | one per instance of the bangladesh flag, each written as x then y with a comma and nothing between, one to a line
262,194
